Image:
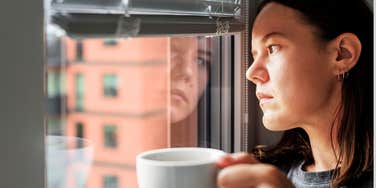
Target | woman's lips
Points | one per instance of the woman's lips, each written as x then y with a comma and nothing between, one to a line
178,94
263,98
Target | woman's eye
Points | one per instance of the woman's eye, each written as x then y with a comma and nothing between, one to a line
201,61
273,48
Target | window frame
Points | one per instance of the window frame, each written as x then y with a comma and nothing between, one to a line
23,96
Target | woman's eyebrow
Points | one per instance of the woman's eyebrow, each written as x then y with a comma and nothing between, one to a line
273,34
204,53
267,37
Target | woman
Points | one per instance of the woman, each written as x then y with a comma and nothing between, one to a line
313,70
190,61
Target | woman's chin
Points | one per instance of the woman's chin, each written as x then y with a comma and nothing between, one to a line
272,124
178,114
175,117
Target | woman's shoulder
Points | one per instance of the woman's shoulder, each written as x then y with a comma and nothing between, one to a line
364,181
294,171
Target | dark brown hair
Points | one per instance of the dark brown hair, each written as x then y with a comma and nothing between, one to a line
355,134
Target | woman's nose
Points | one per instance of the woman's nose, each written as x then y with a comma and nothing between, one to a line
182,70
257,73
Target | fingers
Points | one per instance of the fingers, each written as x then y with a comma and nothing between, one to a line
238,176
255,175
244,158
237,158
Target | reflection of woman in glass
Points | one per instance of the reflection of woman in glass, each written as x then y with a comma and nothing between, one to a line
189,76
313,71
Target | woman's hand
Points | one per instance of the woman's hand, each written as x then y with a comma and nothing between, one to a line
242,170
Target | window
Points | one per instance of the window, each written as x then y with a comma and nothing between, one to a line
54,125
110,181
79,92
110,140
80,130
171,75
173,95
145,77
79,51
110,42
79,134
110,85
53,87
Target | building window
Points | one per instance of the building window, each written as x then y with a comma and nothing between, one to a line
53,84
110,140
79,92
79,130
79,50
110,181
54,126
79,134
110,88
110,42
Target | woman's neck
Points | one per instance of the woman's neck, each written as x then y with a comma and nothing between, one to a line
184,133
322,131
324,145
324,152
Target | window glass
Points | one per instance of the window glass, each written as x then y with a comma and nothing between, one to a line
79,91
110,140
80,130
110,42
110,182
79,50
163,92
53,84
54,125
110,85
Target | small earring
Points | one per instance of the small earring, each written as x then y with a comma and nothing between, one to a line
342,76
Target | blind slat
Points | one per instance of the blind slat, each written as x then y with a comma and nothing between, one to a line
217,8
91,25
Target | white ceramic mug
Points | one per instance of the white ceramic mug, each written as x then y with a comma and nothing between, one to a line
178,168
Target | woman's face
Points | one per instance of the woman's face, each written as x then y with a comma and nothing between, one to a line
292,73
188,75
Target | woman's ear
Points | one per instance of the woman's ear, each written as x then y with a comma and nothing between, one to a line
346,48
